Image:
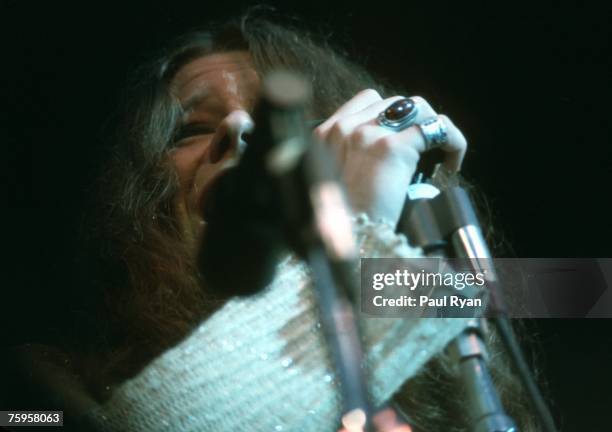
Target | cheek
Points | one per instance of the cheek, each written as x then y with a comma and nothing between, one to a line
187,159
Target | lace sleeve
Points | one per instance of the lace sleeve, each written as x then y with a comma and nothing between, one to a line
261,363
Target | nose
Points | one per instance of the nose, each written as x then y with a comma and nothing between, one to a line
228,143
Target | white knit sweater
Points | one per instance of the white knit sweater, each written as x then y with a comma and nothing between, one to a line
261,364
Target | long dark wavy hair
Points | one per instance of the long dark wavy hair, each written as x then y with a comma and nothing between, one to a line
143,263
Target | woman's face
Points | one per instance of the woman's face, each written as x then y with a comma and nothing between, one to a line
216,92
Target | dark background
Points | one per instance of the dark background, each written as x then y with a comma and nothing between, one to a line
527,83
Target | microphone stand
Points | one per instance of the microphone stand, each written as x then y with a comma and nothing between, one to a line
285,192
457,226
318,227
486,410
455,219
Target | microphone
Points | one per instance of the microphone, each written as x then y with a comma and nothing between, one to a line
444,222
455,232
245,216
439,220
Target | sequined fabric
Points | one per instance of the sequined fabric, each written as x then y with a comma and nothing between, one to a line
260,363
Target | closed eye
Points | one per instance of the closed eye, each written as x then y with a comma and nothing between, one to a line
193,129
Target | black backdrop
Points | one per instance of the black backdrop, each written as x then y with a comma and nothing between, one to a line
527,83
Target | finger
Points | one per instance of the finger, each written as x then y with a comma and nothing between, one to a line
345,129
366,136
345,125
360,101
455,146
424,110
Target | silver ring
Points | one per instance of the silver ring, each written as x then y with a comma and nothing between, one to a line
434,132
399,115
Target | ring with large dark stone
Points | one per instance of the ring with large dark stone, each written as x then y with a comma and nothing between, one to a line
434,132
399,115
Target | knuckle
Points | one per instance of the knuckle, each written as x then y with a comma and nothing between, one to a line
461,140
447,121
340,129
370,92
359,136
384,145
420,100
319,134
458,140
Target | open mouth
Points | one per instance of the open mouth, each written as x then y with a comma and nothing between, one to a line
211,193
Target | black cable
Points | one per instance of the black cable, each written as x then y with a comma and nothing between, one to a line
516,355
